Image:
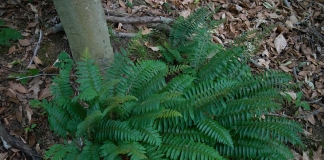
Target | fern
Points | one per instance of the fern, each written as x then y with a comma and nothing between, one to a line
201,102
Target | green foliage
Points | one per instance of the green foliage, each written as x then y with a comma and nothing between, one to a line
201,103
7,34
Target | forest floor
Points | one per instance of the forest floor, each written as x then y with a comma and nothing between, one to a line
295,46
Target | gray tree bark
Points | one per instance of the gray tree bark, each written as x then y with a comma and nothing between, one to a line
85,25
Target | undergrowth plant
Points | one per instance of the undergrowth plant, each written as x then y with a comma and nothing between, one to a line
200,102
7,34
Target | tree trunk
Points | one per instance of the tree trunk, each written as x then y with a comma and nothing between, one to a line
85,26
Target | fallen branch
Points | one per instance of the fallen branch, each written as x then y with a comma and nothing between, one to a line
15,142
37,47
144,19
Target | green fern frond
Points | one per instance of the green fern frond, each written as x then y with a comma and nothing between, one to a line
116,131
224,63
245,109
255,149
174,69
183,29
179,84
150,135
214,130
91,121
89,78
154,101
57,118
177,148
86,54
90,151
187,133
61,151
61,88
269,129
133,149
152,153
170,55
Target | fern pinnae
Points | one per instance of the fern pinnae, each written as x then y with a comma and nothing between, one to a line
214,130
150,135
177,148
116,131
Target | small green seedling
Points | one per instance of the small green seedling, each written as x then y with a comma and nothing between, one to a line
7,34
30,128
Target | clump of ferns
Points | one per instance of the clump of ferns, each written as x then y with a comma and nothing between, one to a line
210,107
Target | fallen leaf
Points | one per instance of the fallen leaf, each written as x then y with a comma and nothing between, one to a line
31,25
33,91
37,60
33,8
3,155
149,2
12,49
306,50
317,155
305,156
44,93
310,119
24,42
146,31
185,2
185,13
122,4
29,113
280,43
18,87
284,68
154,48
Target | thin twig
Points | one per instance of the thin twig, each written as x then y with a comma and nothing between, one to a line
305,19
37,75
37,47
258,65
312,113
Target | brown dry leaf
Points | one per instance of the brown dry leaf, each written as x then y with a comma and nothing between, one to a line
296,155
37,60
19,115
149,2
284,68
280,43
12,49
306,50
317,155
185,13
310,119
31,25
29,113
24,42
18,87
31,139
45,93
305,156
33,91
263,62
185,2
289,25
122,4
3,155
32,66
154,48
292,95
51,69
33,8
146,31
11,93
